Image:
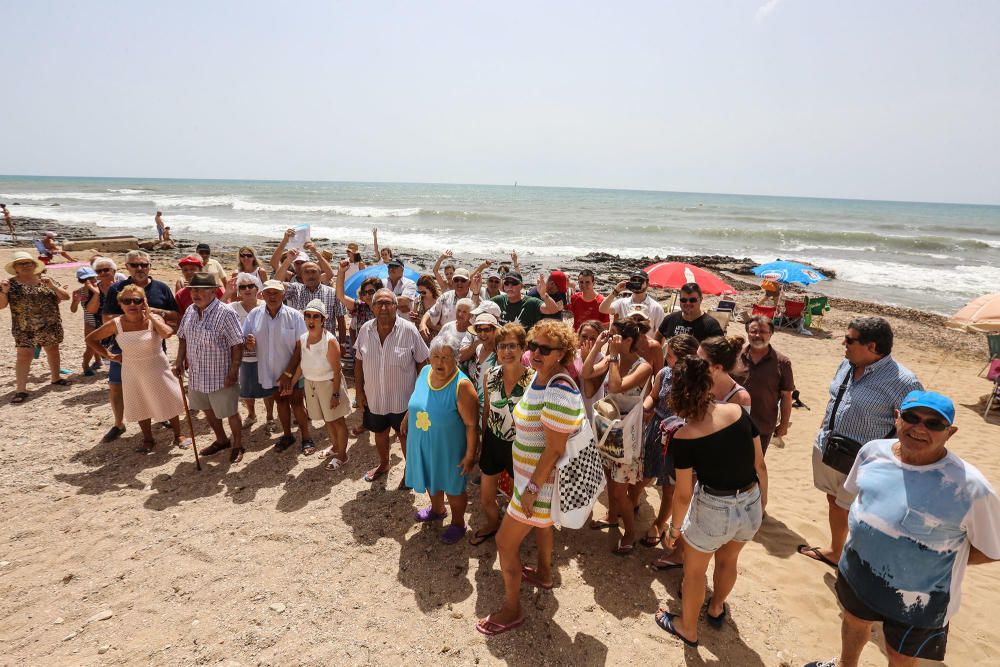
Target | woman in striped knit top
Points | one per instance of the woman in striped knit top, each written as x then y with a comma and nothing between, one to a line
548,413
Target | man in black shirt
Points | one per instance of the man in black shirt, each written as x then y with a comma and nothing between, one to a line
690,319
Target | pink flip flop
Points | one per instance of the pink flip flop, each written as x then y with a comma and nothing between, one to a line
491,628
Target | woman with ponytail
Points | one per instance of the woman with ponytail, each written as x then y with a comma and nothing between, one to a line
724,509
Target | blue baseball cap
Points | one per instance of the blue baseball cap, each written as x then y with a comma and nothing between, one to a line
931,400
85,272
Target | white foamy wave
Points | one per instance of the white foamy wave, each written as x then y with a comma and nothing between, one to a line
79,196
965,279
181,201
351,211
128,191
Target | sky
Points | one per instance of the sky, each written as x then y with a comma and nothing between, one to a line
877,100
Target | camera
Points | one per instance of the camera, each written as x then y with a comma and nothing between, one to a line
636,285
357,257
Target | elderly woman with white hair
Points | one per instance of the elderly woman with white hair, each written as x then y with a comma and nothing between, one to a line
440,424
246,287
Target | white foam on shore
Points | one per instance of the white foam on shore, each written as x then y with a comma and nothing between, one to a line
351,211
945,279
131,196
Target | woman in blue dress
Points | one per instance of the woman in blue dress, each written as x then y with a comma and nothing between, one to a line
441,437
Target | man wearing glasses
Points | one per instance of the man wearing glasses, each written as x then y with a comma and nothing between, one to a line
388,356
690,319
865,392
921,516
525,310
160,301
619,308
443,310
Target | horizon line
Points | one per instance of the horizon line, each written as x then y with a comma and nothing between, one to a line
501,185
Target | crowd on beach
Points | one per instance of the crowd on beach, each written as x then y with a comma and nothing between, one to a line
484,382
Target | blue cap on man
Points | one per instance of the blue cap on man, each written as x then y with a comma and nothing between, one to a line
931,400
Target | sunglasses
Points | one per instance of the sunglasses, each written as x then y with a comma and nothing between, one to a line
544,349
508,347
484,329
248,286
932,424
133,302
508,283
312,316
691,299
459,279
367,292
138,265
246,254
851,341
104,270
383,304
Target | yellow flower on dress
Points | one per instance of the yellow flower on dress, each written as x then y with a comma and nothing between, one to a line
423,421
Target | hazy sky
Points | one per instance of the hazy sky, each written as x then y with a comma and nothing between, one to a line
885,99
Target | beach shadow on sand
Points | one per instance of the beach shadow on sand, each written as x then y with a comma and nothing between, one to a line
116,465
777,538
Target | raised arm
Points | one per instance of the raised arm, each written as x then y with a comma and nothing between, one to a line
348,302
437,270
549,305
281,273
606,305
378,254
276,255
324,265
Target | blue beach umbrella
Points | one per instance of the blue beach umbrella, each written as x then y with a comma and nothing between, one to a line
789,272
378,271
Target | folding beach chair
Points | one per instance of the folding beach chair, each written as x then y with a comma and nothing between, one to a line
994,374
792,315
43,254
726,304
815,309
766,311
993,341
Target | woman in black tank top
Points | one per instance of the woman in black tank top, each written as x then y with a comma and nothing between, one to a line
723,511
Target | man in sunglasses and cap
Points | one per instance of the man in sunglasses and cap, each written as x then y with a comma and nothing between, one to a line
525,310
921,515
866,390
637,284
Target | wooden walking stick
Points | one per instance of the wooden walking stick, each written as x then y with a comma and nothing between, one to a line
187,414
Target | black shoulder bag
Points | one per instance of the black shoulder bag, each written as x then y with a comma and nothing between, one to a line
839,451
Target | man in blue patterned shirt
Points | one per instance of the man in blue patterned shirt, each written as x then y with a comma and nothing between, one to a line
865,392
211,348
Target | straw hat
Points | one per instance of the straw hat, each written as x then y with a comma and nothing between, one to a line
21,256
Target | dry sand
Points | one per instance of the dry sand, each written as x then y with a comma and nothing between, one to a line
112,557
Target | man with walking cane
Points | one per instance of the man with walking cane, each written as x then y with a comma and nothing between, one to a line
211,348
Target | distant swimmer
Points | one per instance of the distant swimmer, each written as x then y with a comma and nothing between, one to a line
159,225
9,220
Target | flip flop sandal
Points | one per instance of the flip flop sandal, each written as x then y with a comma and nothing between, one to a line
62,382
601,524
236,455
148,447
336,464
491,628
308,447
427,514
326,453
623,549
805,550
20,397
476,539
666,622
284,442
662,564
717,621
648,541
374,474
530,575
453,534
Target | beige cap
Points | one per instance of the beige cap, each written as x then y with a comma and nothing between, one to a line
274,284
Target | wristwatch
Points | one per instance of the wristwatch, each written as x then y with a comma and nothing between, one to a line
531,487
614,359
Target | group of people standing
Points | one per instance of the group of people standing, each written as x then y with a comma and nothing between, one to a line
468,370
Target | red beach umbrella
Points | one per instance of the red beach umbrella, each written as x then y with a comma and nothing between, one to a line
674,274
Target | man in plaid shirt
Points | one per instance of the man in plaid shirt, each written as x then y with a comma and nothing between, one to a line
299,294
211,348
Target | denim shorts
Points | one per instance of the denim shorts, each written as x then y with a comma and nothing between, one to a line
714,521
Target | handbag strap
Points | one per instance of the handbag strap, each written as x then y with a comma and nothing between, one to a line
840,397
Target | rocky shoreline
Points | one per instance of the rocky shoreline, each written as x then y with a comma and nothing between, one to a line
608,267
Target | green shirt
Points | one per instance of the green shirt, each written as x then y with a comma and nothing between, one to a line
525,312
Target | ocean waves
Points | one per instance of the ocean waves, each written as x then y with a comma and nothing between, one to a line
791,239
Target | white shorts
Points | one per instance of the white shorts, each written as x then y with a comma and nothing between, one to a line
830,481
318,395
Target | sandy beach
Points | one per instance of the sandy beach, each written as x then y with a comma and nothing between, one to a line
110,557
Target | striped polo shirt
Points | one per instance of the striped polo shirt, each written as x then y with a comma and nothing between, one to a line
390,368
868,410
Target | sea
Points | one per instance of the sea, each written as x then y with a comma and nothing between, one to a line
929,256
